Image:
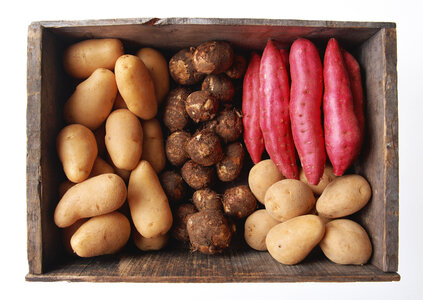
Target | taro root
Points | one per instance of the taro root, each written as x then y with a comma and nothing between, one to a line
209,231
213,57
238,68
229,124
207,199
197,176
239,202
208,126
201,106
229,168
175,147
204,148
180,216
175,116
220,86
181,68
174,186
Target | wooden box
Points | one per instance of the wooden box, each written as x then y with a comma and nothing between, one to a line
374,45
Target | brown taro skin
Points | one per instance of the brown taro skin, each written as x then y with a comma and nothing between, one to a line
229,124
175,116
209,232
239,202
174,186
181,214
201,106
213,57
238,68
175,148
220,86
207,199
181,68
197,176
229,168
204,148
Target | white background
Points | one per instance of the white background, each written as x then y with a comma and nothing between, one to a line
17,15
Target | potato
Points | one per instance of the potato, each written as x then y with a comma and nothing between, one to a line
136,86
174,186
346,242
181,215
92,100
175,147
257,225
100,235
229,168
124,174
213,57
151,244
262,176
220,86
81,59
288,198
148,203
197,176
238,68
153,149
77,150
158,68
201,106
181,67
291,241
327,178
344,196
119,102
68,232
95,196
124,139
204,148
229,124
175,117
100,167
207,199
239,202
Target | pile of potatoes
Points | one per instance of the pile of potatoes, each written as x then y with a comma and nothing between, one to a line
292,223
112,150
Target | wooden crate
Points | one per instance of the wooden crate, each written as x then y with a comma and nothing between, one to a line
374,45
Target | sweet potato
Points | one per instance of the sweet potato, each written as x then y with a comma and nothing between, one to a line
341,128
285,58
274,111
305,108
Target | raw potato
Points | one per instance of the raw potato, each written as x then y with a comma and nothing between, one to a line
119,102
257,225
124,139
204,148
105,234
201,106
153,149
175,148
136,86
81,59
77,150
174,186
229,168
197,176
151,244
68,232
346,242
181,215
207,199
148,203
229,124
288,198
291,241
181,68
220,86
158,68
175,117
95,196
101,167
327,178
239,202
213,57
262,176
344,196
238,68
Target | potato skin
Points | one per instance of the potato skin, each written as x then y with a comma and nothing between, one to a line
346,242
148,203
175,117
204,148
124,139
100,167
262,176
181,215
213,57
201,106
100,235
174,186
181,67
81,59
175,148
149,244
153,149
239,202
257,225
207,199
291,241
136,86
327,178
77,150
95,196
197,176
344,196
229,168
220,86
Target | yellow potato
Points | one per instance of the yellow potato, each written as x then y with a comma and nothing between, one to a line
95,196
68,232
77,150
291,241
100,167
327,178
262,176
124,139
119,102
346,242
148,203
81,59
92,100
159,71
257,225
100,235
136,86
153,149
151,244
288,198
344,196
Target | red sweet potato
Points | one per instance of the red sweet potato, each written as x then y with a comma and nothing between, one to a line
253,137
305,108
285,59
342,131
274,111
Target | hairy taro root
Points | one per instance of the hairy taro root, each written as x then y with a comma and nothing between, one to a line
204,148
197,176
207,199
201,106
209,232
175,116
220,86
181,214
229,124
181,68
173,185
239,202
213,57
238,68
175,147
229,168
